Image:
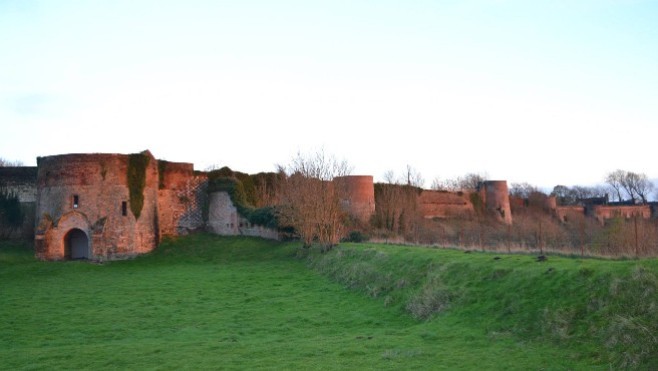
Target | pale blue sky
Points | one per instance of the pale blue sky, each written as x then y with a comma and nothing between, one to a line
546,92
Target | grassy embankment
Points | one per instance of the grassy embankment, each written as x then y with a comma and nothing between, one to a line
211,302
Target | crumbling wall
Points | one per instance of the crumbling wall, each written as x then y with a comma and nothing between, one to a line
564,212
224,219
182,195
444,204
604,212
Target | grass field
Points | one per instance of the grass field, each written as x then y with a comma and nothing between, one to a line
238,303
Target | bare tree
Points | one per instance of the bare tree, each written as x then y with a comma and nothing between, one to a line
564,195
636,186
523,190
615,180
571,196
582,192
310,200
469,181
396,203
413,177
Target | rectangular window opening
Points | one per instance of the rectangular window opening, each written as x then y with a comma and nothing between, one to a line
124,208
76,201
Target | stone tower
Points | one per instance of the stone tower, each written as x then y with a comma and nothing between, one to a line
358,195
84,208
496,199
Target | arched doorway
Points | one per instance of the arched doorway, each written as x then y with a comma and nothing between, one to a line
76,244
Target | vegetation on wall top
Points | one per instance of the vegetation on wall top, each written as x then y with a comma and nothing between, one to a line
241,188
10,209
162,168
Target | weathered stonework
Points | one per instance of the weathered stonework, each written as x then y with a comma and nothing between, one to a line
90,194
443,204
496,199
21,181
84,208
181,198
601,212
358,195
224,219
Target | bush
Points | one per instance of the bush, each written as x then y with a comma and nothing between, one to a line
356,236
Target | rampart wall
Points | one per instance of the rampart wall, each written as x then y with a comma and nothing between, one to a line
21,181
443,204
604,212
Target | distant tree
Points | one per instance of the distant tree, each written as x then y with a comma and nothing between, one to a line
571,196
467,182
615,180
636,186
523,190
413,177
8,163
582,192
564,195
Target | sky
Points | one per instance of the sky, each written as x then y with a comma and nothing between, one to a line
544,92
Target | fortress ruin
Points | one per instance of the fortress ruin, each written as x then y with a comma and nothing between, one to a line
114,206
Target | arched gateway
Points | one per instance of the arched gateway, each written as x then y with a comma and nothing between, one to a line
76,244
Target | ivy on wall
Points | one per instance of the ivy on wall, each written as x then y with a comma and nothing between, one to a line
162,168
241,190
11,214
137,164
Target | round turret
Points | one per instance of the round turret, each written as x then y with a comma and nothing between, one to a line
496,197
96,206
357,195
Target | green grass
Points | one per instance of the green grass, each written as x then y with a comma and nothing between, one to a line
238,303
604,312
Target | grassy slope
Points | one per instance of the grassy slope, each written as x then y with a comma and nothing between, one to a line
205,301
603,312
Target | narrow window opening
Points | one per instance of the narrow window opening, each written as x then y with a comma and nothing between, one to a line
124,208
76,201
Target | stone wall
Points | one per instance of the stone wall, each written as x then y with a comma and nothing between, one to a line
443,204
604,212
563,212
21,181
181,198
224,219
